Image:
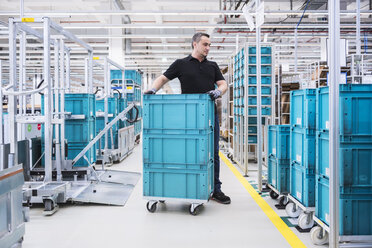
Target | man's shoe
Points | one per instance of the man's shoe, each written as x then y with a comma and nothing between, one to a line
221,197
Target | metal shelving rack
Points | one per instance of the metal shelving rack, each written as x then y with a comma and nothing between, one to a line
245,99
360,67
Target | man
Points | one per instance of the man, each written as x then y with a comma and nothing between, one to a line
197,76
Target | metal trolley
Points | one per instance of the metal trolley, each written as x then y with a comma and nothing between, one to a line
178,149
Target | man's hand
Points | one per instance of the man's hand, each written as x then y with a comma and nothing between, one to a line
214,94
150,92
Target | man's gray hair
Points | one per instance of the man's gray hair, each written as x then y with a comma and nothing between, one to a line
197,37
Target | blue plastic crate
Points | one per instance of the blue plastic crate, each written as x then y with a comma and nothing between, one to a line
302,185
80,130
278,174
266,90
180,151
133,76
252,129
302,152
252,139
183,111
264,100
264,80
241,82
253,111
264,60
355,163
355,111
253,120
252,90
116,74
279,141
303,108
178,183
265,69
264,50
77,104
355,209
112,105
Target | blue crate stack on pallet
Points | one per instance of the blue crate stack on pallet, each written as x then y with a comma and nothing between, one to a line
178,146
113,107
79,132
278,159
245,76
302,143
355,163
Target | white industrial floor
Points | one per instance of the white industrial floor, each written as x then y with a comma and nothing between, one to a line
240,224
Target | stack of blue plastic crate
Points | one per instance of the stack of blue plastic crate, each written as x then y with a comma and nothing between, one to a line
78,132
113,108
302,140
266,73
238,89
178,146
241,80
355,158
278,161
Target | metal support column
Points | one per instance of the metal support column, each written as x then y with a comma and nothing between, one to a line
57,109
86,73
1,119
106,94
90,72
62,87
334,130
22,82
68,72
47,102
357,42
12,99
259,105
244,120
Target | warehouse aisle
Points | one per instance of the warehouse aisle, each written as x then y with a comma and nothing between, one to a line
241,224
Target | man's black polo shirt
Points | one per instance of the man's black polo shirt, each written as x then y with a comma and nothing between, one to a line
195,76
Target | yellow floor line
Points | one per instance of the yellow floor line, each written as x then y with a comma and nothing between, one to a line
287,233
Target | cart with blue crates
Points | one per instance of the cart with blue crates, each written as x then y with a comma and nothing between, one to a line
178,149
355,156
278,162
80,127
302,157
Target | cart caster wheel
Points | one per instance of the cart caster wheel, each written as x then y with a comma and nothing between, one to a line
195,210
292,210
48,205
305,221
318,236
273,195
283,201
151,207
162,201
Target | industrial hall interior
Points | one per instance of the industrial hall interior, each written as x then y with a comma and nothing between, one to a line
169,123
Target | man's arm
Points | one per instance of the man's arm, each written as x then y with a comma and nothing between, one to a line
157,84
222,86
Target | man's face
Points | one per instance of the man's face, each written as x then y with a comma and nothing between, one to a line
202,47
